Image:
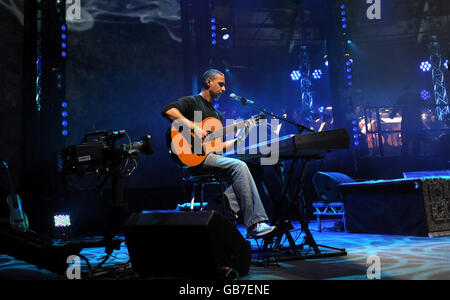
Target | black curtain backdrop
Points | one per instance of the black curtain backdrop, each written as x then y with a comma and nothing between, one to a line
123,66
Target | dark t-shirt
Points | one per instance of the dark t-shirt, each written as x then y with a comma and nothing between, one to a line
188,105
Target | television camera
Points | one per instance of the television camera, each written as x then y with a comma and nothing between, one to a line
102,156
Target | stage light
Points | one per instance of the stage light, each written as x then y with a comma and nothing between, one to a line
213,42
213,27
342,6
64,123
321,109
344,25
354,122
295,75
317,74
326,63
446,64
425,94
64,114
213,20
62,220
344,19
213,34
224,33
64,54
425,66
356,143
64,132
343,13
63,27
63,36
349,42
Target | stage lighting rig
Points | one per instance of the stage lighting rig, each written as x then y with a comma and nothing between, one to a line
102,156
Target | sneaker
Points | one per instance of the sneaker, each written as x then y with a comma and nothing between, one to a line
259,230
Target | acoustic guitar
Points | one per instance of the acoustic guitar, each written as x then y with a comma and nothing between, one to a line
17,216
188,150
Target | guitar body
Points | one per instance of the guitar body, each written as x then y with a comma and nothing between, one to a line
186,149
17,216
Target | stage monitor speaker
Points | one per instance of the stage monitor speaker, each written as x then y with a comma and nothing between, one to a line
174,244
326,185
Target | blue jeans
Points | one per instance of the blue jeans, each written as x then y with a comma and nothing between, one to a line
242,194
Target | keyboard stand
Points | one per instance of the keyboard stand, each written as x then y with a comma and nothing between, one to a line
272,248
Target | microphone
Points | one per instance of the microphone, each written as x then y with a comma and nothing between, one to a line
243,100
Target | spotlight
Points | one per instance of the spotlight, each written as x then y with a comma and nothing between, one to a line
446,64
295,75
224,33
213,20
62,221
425,66
317,74
64,114
425,94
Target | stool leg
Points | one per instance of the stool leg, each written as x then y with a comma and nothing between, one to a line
202,190
193,196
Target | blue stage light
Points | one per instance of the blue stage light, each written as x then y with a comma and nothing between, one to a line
64,104
63,36
446,64
349,42
321,109
63,54
342,6
64,114
344,25
213,20
65,132
425,94
356,143
425,66
343,13
344,19
354,122
213,42
295,75
213,27
226,36
317,74
355,136
63,27
64,123
213,34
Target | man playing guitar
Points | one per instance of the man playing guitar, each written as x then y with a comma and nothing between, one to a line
242,194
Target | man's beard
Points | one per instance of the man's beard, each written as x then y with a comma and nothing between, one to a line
214,95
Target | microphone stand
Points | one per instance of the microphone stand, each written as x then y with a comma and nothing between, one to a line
300,127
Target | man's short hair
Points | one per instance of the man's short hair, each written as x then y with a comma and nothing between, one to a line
209,75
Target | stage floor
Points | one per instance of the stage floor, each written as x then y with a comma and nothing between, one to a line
400,258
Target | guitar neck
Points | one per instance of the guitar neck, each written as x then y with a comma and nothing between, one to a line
11,186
